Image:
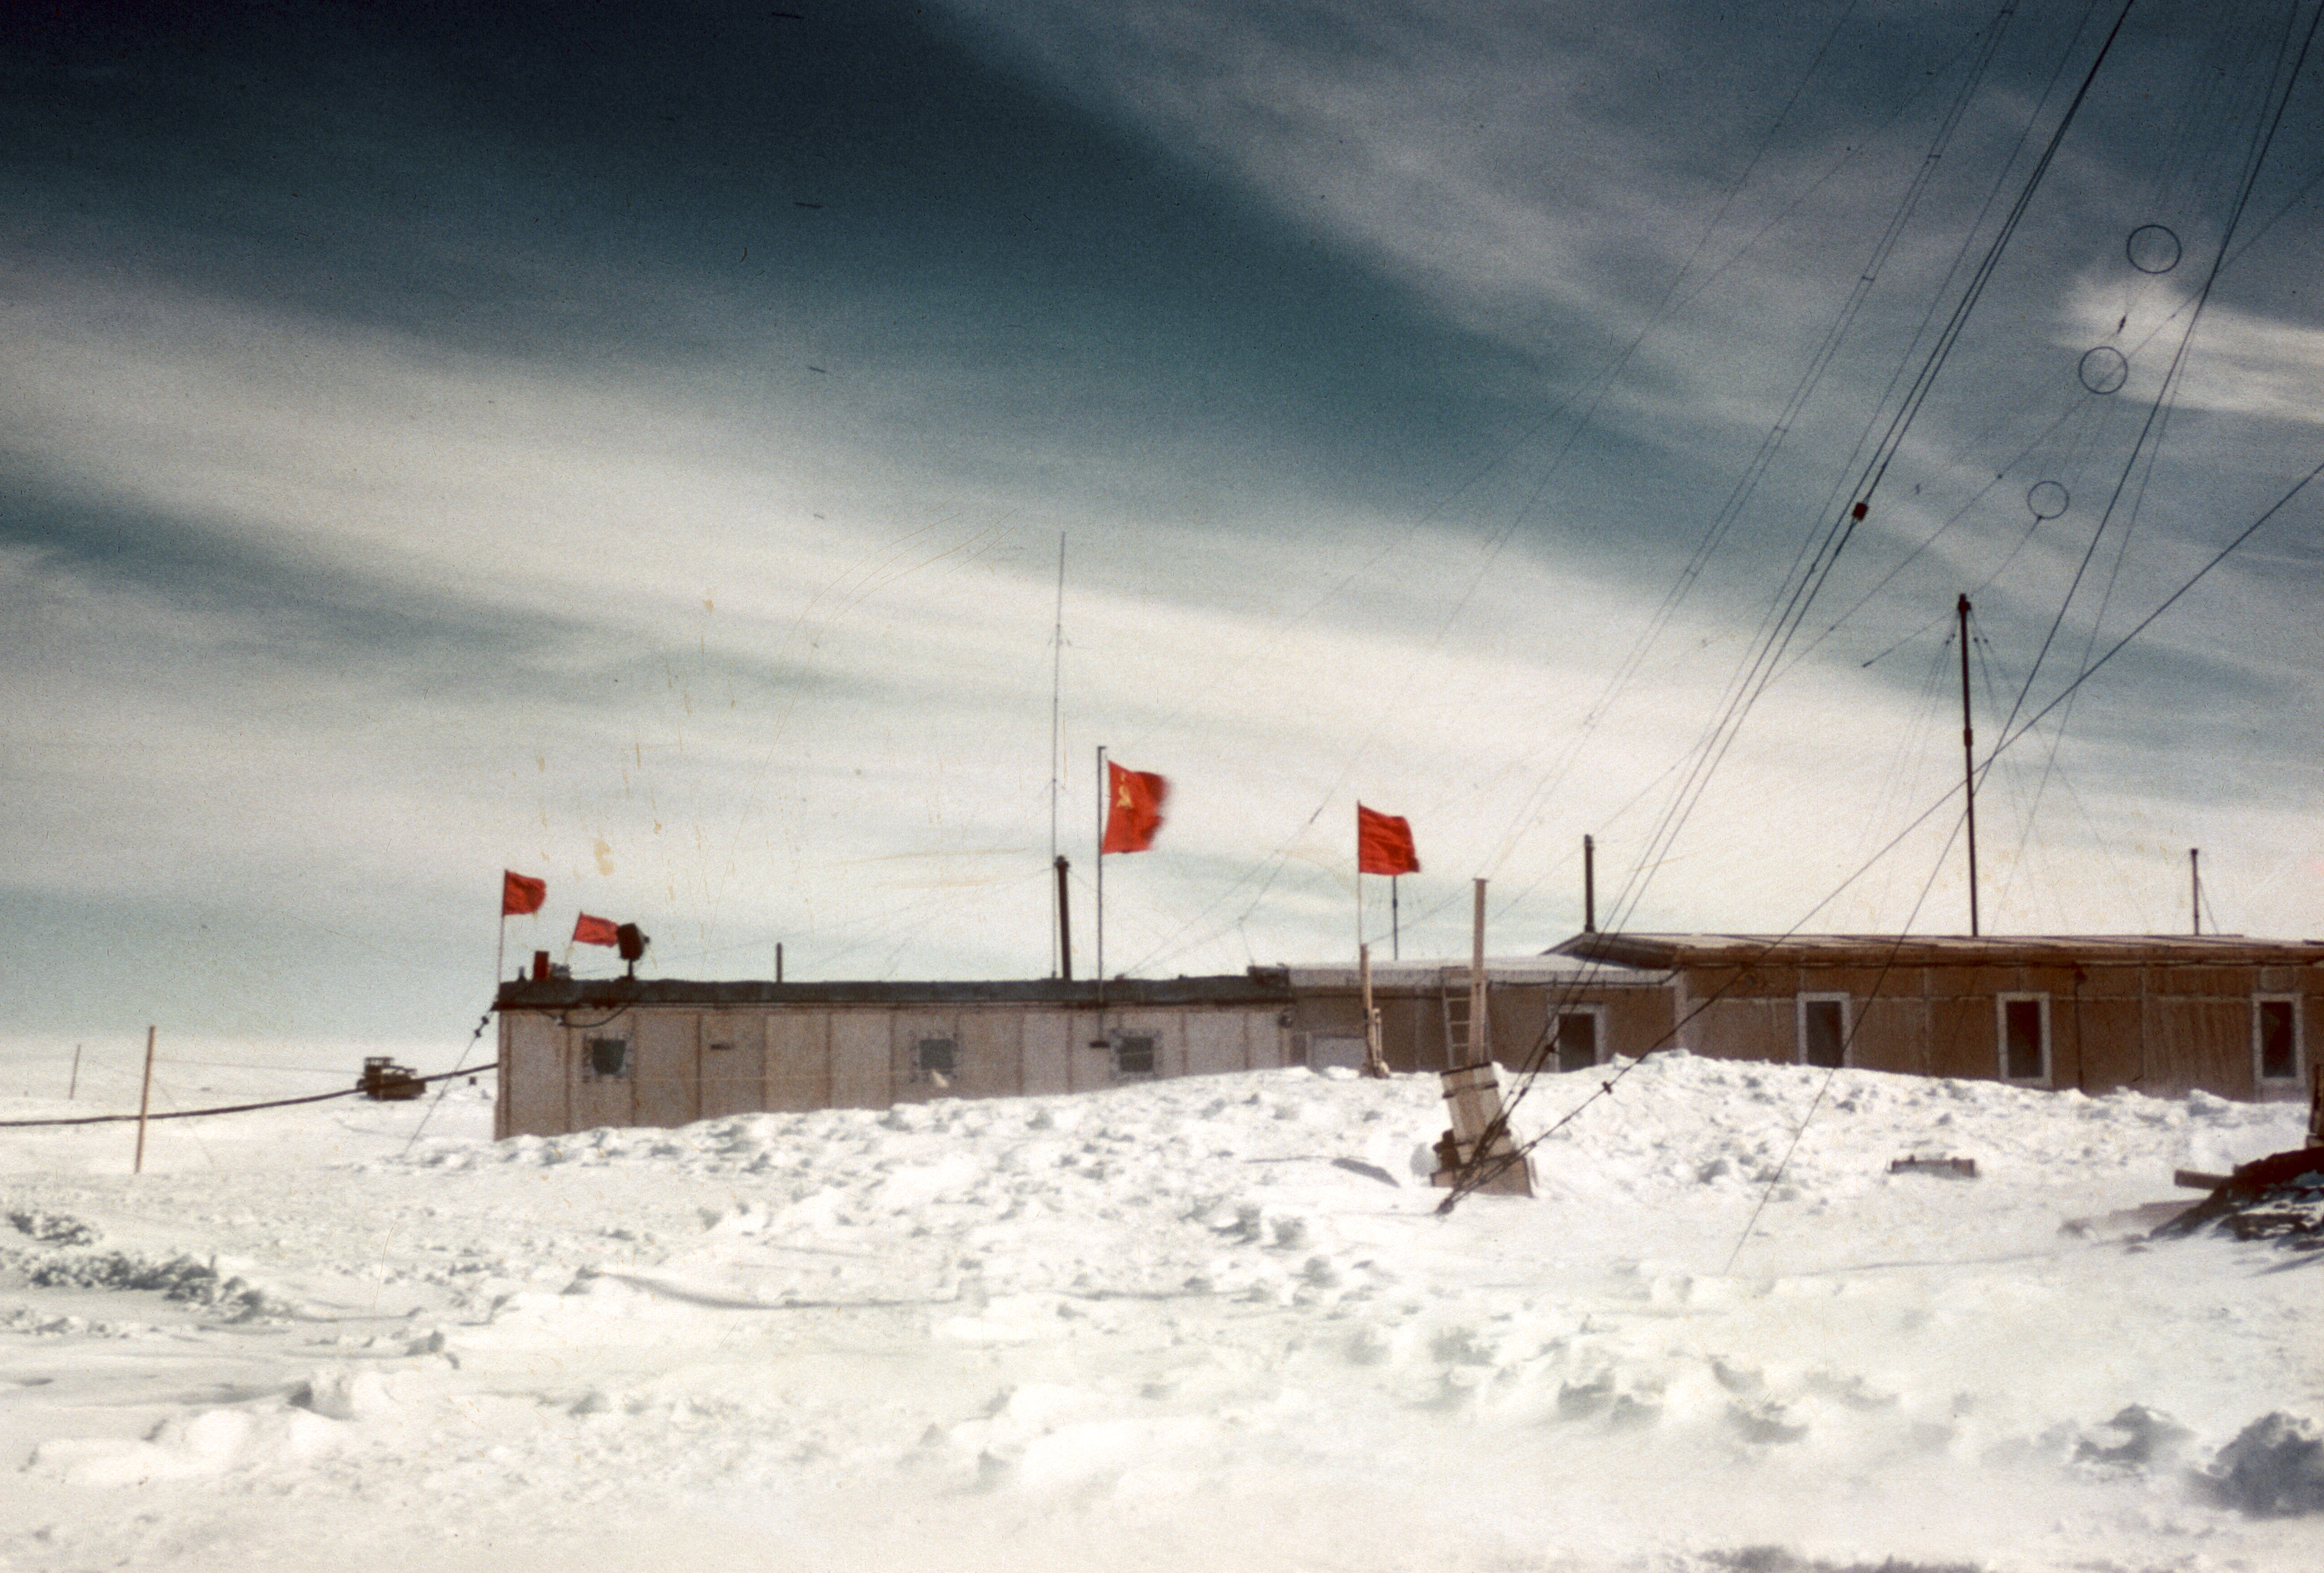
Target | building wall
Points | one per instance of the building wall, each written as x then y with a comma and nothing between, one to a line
1633,1018
2163,1028
685,1063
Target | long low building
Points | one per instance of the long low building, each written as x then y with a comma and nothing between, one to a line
578,1053
2162,1015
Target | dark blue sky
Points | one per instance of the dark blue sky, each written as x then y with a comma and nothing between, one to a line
631,444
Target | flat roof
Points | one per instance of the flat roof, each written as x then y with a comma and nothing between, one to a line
1552,968
1260,987
1745,949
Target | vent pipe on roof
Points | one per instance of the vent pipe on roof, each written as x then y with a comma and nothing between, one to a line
1589,886
2195,883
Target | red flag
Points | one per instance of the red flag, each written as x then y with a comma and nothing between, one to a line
1384,843
1133,808
519,895
595,930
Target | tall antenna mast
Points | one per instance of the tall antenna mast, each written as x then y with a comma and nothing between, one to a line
1968,764
1063,954
1057,697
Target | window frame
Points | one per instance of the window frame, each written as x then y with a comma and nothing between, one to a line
590,1063
921,1072
2299,1074
1846,1003
1597,1015
2001,1004
1117,1036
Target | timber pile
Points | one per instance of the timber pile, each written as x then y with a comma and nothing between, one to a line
2280,1196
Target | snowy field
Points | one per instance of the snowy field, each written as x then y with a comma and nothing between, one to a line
1204,1324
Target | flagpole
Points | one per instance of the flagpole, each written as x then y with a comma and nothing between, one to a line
1102,795
1057,757
1394,923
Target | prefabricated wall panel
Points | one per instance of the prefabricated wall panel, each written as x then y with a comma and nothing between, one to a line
2161,1013
2157,1014
684,1063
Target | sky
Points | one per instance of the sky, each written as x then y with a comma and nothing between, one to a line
637,447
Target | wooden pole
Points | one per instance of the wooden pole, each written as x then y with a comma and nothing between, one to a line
1589,886
73,1086
144,1102
1064,924
1968,764
2195,885
778,961
1375,1062
1481,1036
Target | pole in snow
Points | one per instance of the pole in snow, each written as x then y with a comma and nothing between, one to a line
145,1101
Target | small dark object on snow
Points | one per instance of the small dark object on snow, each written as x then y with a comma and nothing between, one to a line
388,1082
2198,1180
2281,1195
1945,1168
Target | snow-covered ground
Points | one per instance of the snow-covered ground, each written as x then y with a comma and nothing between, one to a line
1212,1323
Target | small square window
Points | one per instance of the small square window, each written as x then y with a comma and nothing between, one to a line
935,1059
1577,1040
1133,1054
608,1056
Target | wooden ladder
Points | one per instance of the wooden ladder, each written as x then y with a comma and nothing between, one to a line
1456,1025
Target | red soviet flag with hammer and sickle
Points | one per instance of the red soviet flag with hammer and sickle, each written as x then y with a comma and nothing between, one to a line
1133,808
